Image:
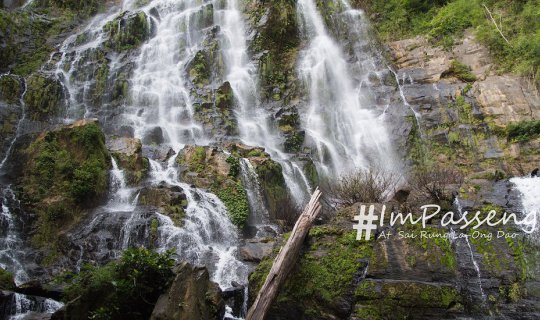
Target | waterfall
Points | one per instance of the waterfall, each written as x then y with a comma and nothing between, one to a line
253,120
343,131
207,236
122,198
18,128
259,214
12,246
24,305
529,188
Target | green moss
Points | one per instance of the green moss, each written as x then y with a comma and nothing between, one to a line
270,176
6,280
224,96
235,166
235,199
294,141
43,97
325,272
255,153
311,173
379,298
10,89
199,70
128,31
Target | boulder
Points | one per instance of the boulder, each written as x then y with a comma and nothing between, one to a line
254,250
167,200
191,296
128,154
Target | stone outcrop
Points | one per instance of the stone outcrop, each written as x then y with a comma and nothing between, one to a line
191,296
66,172
128,154
339,277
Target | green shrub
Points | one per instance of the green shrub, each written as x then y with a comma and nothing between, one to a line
461,71
124,289
235,166
236,201
523,131
6,280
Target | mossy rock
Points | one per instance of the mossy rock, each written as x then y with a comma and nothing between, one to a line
66,172
322,279
128,31
44,97
170,201
213,169
11,89
7,281
128,154
277,41
225,96
379,298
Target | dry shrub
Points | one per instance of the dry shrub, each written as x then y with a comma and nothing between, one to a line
372,185
436,183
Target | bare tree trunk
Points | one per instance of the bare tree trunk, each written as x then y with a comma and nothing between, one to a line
495,23
285,260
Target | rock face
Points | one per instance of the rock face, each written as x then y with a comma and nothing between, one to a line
66,172
128,154
191,296
44,97
170,201
463,108
339,277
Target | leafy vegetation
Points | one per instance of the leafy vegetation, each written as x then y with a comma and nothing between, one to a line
124,289
445,20
460,71
523,131
235,199
6,280
67,169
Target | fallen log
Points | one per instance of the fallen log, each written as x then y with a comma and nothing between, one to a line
285,260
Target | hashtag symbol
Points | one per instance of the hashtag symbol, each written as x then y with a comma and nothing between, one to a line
365,222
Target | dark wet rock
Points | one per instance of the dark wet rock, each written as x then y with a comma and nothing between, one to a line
234,297
191,296
154,136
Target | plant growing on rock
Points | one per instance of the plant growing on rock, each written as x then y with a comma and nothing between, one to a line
436,183
361,185
123,289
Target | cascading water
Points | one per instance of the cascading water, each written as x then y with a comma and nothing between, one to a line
14,249
19,125
344,132
258,217
529,187
11,243
253,120
465,240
